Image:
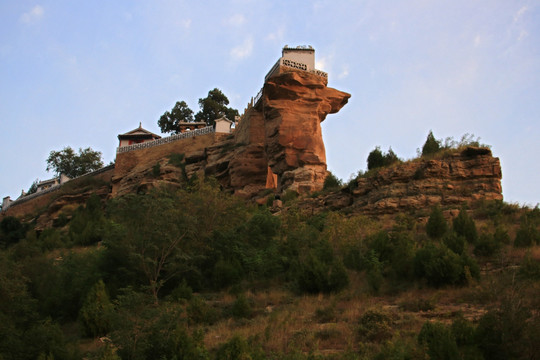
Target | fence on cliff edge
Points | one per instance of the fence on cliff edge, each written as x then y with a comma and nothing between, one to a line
166,140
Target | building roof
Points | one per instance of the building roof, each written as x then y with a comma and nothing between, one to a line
138,133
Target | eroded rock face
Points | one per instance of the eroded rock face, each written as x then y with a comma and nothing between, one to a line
279,139
463,177
286,125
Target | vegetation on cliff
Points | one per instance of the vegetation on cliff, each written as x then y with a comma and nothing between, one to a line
196,273
212,107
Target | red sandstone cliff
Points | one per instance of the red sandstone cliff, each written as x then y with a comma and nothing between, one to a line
283,132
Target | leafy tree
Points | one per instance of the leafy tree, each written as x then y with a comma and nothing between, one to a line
11,230
169,121
436,226
96,312
431,146
214,106
71,164
154,233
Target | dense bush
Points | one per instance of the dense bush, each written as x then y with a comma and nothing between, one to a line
97,311
464,225
11,231
436,226
375,326
331,182
439,340
377,158
441,266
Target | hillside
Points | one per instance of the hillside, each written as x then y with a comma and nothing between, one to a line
234,246
193,272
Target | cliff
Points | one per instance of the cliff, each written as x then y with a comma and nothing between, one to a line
277,145
461,177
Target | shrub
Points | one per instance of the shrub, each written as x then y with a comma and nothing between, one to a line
436,226
438,265
454,242
96,312
487,246
11,231
318,274
377,159
331,182
241,307
464,225
235,349
528,233
529,268
156,170
375,326
439,340
199,311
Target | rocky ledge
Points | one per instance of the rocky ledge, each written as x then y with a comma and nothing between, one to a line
464,176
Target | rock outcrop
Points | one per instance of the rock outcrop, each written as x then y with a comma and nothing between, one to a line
462,177
278,143
284,130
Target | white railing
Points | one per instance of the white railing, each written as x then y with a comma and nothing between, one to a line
258,97
294,65
166,140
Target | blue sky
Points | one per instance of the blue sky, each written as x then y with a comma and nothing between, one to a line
76,73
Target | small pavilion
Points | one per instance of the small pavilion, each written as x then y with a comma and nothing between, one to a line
137,136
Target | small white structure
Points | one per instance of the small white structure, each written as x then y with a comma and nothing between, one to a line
47,184
6,202
299,58
300,54
223,125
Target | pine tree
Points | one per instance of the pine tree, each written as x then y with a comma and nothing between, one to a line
436,225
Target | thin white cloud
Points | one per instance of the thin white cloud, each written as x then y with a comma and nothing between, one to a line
520,13
322,64
522,35
278,35
243,50
477,41
35,14
185,23
344,72
236,20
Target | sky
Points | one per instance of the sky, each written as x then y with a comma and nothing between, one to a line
78,73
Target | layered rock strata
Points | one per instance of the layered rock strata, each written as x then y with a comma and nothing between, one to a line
277,144
462,177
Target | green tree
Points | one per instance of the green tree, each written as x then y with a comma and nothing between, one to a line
71,164
214,106
96,312
377,158
431,146
436,226
169,121
439,340
464,225
154,234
